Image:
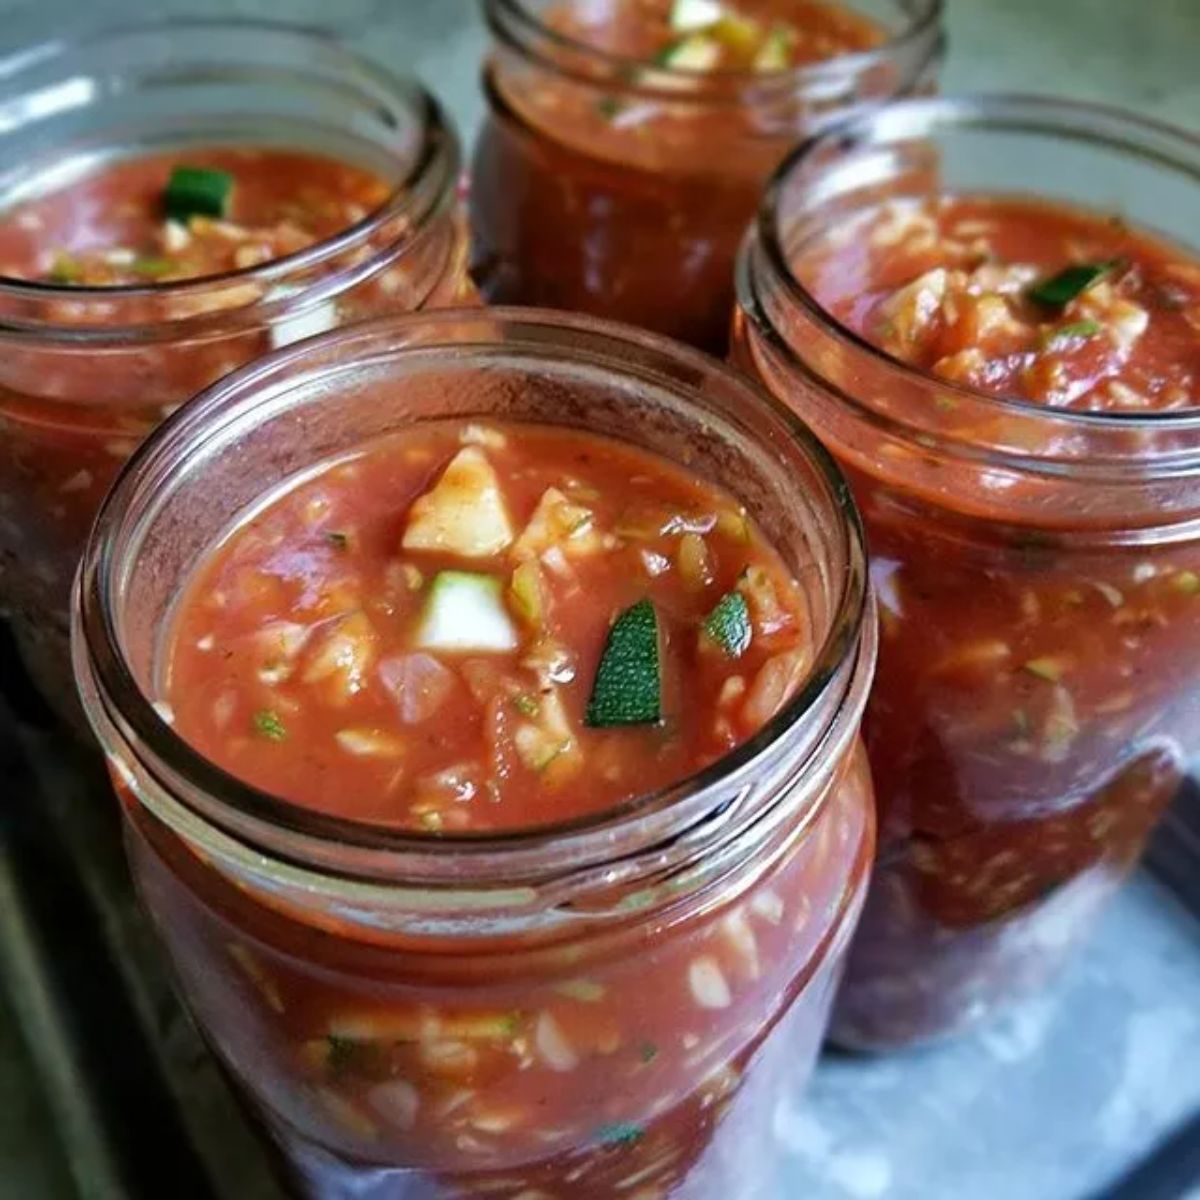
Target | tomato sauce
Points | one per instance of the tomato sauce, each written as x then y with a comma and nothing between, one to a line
416,636
317,615
72,410
959,289
112,228
601,199
1035,703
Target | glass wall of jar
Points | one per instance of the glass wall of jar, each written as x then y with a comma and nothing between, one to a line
1037,560
87,370
603,1006
616,178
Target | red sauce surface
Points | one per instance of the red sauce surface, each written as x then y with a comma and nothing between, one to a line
630,207
314,611
111,227
1035,702
950,288
616,1056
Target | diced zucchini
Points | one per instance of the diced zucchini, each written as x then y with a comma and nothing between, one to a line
728,625
739,33
463,513
527,593
628,685
412,1025
549,737
465,611
775,52
197,192
695,52
1057,291
1046,667
687,16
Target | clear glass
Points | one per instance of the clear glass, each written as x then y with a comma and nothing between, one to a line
1012,802
281,921
85,373
607,186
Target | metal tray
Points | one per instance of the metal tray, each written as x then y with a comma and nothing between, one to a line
109,1093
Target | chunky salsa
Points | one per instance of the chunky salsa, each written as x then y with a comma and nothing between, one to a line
475,627
165,217
1024,299
96,370
605,200
1036,696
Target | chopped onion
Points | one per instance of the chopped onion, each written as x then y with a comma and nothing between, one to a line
552,1044
418,683
707,983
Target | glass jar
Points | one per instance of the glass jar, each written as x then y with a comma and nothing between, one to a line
309,946
85,373
622,189
1015,792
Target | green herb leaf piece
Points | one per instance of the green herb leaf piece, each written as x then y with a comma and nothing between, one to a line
197,192
337,539
729,624
269,725
628,685
618,1133
1066,333
1057,291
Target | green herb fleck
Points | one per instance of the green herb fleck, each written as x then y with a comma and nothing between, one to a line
618,1133
1067,333
647,1052
526,704
609,107
1057,291
268,724
337,539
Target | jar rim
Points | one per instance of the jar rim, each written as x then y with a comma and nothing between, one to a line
100,658
1024,112
410,204
512,21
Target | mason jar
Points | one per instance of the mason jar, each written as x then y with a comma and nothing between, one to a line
621,188
299,938
86,372
1037,565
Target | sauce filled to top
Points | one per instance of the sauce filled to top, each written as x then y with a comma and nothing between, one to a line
470,627
1021,298
626,196
184,215
707,35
